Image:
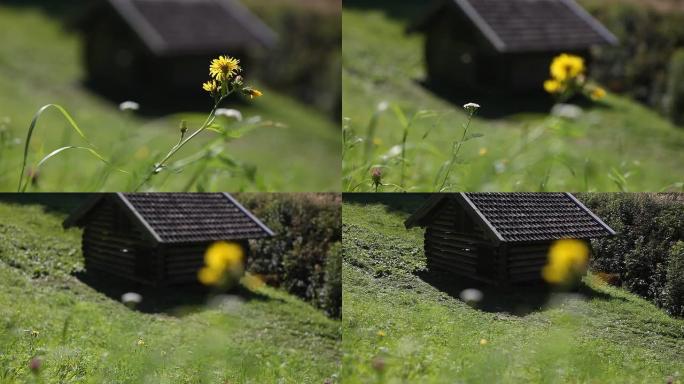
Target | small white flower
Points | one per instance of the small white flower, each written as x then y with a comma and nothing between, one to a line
382,106
129,106
471,295
234,113
471,107
131,298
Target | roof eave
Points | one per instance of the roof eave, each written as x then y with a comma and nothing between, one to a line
269,232
469,206
148,232
592,214
75,218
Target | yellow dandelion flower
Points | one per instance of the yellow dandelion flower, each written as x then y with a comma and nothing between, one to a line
381,334
483,342
553,86
568,259
598,93
224,68
252,93
210,86
209,276
483,151
566,67
141,342
224,255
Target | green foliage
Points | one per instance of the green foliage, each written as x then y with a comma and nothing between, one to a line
648,39
675,88
674,286
614,145
648,226
398,326
83,336
331,296
306,226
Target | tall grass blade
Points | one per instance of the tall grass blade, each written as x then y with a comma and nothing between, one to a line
32,127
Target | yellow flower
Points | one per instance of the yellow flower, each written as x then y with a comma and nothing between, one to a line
223,255
598,93
141,342
553,86
566,67
252,93
483,151
210,86
224,68
381,334
221,258
568,259
483,341
377,141
209,276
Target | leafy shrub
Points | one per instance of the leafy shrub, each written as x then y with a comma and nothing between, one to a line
648,38
674,287
306,227
331,299
648,226
674,99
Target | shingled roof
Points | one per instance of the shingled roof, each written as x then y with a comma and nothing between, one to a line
193,26
522,217
181,217
528,25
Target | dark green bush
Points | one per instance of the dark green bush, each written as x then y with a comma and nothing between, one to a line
674,100
675,280
306,227
648,38
332,290
648,226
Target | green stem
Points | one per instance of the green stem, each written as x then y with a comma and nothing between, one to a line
455,152
160,165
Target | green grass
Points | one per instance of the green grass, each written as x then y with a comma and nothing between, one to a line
615,145
83,336
601,334
40,63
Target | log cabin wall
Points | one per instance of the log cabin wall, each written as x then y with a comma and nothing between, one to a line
524,262
454,243
112,244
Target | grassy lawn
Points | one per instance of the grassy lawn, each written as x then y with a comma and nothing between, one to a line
84,336
403,325
40,63
615,144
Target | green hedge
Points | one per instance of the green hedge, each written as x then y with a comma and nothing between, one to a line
647,252
301,257
648,39
674,99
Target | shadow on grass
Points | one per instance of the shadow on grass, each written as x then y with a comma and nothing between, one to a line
406,203
518,300
407,10
175,300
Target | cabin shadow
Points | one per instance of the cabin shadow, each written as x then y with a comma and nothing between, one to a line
173,300
518,300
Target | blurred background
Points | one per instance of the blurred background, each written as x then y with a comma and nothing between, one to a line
91,55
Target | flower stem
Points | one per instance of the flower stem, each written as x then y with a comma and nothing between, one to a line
160,165
456,148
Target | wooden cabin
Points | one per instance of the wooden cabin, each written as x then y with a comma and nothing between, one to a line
160,238
166,44
501,238
504,45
